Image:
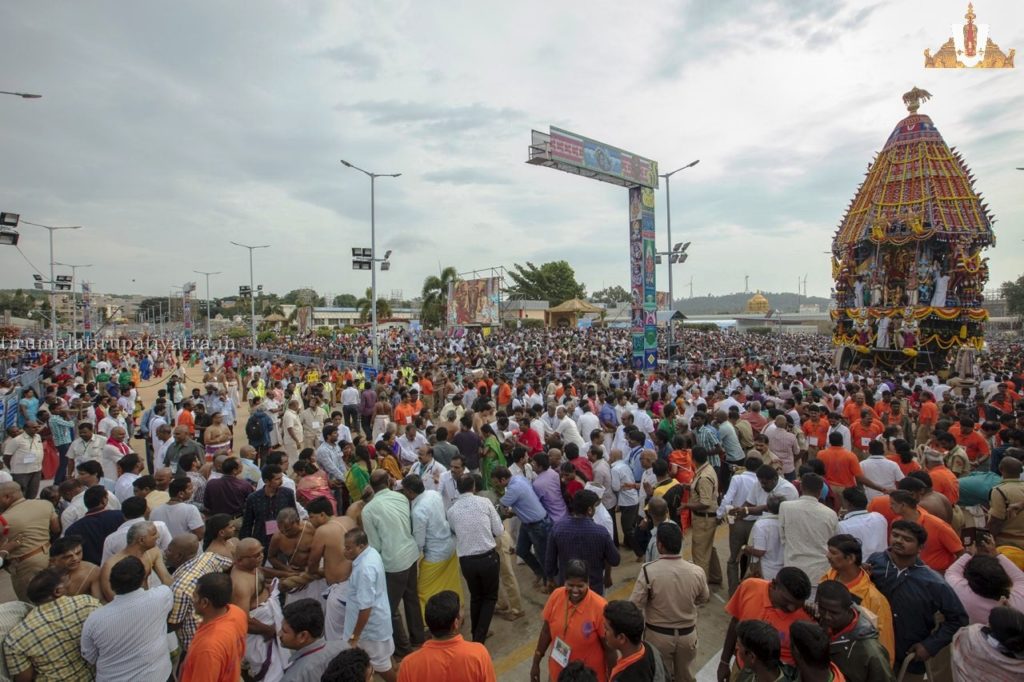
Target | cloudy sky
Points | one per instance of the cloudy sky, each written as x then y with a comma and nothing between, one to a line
169,129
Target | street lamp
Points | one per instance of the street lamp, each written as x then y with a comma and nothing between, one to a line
252,290
23,95
207,275
373,253
74,295
53,312
668,228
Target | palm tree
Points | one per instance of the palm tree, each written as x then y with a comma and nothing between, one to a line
435,296
383,307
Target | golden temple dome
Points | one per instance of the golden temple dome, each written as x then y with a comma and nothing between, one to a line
758,304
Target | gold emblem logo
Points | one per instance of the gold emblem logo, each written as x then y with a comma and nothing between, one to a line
970,47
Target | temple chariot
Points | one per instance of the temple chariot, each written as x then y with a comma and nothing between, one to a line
907,257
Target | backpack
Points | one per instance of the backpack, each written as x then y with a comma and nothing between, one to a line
254,430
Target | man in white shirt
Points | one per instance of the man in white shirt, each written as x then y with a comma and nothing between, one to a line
805,527
448,482
766,541
566,428
837,426
410,445
350,400
428,469
741,488
588,421
112,421
129,469
134,511
880,469
643,420
871,528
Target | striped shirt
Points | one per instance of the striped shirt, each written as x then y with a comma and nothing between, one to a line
62,430
127,638
184,584
47,641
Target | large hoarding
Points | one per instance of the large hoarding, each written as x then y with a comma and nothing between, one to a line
583,152
473,302
643,293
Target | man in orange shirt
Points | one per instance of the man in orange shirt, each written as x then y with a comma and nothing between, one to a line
974,443
815,428
883,504
883,408
406,410
944,481
943,545
427,392
779,602
865,430
219,644
504,394
186,419
927,418
842,468
447,656
852,409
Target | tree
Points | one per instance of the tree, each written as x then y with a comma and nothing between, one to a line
435,297
345,300
554,282
1013,292
304,296
609,295
365,313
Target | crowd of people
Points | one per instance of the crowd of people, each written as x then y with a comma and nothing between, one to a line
285,519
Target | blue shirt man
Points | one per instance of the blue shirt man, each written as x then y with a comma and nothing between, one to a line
521,499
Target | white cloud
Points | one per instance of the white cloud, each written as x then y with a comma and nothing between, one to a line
169,130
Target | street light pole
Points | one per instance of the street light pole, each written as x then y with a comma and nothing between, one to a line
53,312
373,254
668,225
74,295
207,275
252,290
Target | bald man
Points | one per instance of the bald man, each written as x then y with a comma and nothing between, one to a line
189,565
142,539
251,593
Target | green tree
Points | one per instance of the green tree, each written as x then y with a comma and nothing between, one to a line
365,313
345,300
304,296
435,297
554,282
608,295
1013,292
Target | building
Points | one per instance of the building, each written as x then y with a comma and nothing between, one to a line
758,304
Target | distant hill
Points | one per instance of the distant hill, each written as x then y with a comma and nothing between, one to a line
729,304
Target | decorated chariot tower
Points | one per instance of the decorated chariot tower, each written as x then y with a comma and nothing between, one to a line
907,257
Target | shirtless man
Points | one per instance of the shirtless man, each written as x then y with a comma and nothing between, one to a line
289,550
328,546
83,576
142,538
251,593
217,437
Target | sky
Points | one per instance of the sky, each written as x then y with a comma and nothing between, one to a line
167,130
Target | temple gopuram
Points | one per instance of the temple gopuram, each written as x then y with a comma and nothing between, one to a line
907,257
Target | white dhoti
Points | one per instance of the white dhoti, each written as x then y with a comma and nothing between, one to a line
264,657
314,590
334,611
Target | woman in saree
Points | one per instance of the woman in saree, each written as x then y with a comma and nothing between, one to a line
492,456
387,459
312,483
358,476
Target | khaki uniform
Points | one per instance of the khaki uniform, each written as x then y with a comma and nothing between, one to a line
704,489
29,542
1002,496
669,591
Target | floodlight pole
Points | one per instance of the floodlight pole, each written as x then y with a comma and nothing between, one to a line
74,295
53,311
252,291
207,275
373,255
668,226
